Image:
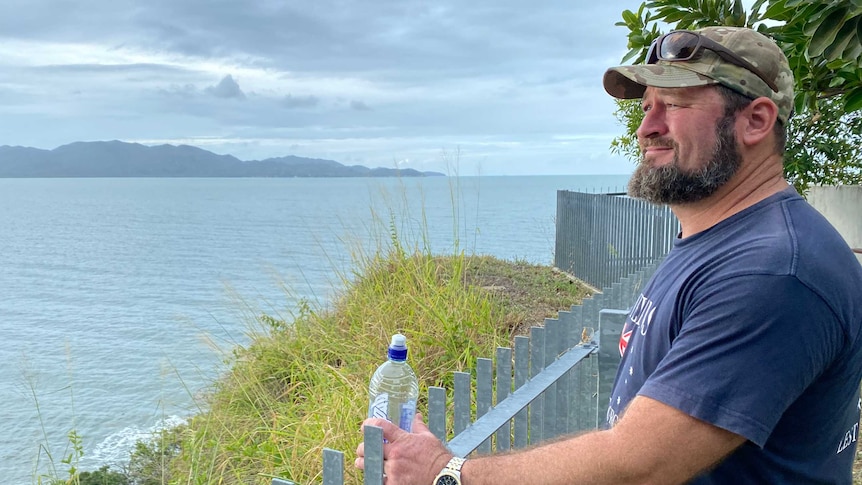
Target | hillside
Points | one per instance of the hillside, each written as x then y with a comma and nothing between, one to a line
120,159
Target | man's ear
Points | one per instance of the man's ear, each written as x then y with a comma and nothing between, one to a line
759,117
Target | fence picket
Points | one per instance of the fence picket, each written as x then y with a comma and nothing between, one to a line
504,388
333,467
537,363
484,394
550,424
437,412
463,400
373,437
522,374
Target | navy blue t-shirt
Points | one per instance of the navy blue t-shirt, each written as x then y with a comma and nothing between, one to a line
754,326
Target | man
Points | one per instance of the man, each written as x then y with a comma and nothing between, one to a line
745,357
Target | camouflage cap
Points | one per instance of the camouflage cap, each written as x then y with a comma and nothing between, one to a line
630,82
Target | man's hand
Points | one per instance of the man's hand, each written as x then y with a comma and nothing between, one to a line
408,458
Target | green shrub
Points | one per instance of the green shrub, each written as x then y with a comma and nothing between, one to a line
103,476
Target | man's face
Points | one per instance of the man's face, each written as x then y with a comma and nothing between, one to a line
683,158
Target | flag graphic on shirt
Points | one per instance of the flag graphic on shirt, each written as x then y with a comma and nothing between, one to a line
624,338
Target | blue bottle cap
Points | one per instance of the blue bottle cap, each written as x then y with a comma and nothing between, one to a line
398,347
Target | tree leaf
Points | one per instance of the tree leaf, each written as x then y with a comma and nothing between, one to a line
845,35
711,11
674,17
630,19
778,11
737,10
758,4
854,48
853,101
631,54
826,32
799,102
811,17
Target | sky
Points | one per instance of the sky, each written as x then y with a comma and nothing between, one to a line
479,87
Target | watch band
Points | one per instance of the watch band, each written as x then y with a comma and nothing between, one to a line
455,464
451,473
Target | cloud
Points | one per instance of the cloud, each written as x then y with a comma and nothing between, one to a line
187,91
294,102
393,79
359,106
227,88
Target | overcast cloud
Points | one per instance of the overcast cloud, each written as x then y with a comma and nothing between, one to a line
504,87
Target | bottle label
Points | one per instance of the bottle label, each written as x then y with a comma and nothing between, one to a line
380,406
408,411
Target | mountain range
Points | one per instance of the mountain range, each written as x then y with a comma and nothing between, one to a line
121,159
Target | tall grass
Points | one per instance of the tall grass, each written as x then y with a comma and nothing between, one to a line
49,467
302,385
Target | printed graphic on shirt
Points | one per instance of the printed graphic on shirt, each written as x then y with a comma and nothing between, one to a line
632,344
612,416
852,434
641,316
624,339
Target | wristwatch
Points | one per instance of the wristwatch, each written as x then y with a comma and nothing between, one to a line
451,473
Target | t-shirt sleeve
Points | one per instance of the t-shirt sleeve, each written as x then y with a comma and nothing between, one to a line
747,347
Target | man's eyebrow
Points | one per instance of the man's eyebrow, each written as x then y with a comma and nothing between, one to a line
682,94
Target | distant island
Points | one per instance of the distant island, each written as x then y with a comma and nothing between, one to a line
120,159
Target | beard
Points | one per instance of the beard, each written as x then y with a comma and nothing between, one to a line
671,184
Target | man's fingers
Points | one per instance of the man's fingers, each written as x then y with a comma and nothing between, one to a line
419,424
391,432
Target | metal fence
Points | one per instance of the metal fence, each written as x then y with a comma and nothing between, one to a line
601,238
558,379
555,381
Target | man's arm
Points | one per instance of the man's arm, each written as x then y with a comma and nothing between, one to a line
653,443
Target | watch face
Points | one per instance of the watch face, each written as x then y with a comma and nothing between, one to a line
447,480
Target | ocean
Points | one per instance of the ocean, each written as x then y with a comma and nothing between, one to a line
121,299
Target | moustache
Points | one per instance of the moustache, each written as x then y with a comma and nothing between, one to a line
657,142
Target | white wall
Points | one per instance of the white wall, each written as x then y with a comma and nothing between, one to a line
842,206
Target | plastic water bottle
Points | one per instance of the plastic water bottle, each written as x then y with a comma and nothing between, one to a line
394,388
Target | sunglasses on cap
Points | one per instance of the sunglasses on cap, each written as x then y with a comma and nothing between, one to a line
684,45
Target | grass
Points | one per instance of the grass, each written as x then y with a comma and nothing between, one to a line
301,385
